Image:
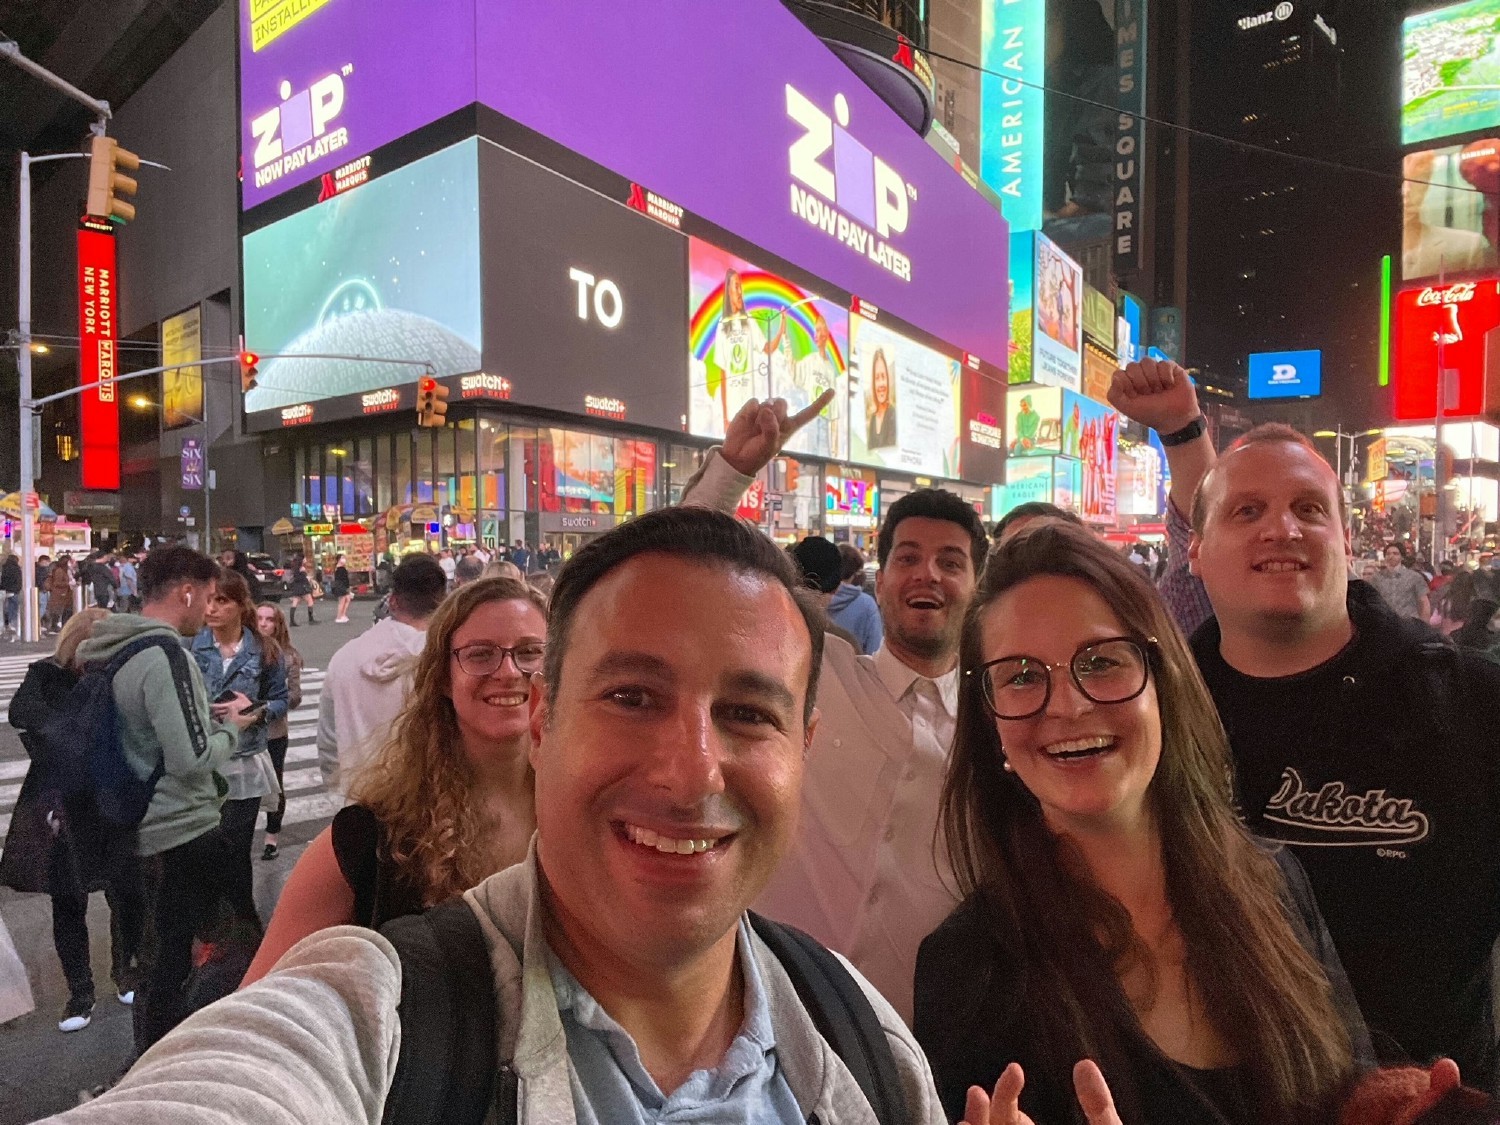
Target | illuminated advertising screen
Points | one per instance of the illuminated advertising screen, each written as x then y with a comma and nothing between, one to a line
1022,327
1098,318
905,401
1067,483
182,388
1286,374
1450,71
1033,421
1027,481
1098,373
1138,482
323,82
1090,432
982,448
739,114
1450,217
1132,341
583,308
851,499
753,334
1057,311
1458,321
1012,102
390,268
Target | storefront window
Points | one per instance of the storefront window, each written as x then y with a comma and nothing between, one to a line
422,466
364,478
405,492
681,463
382,472
445,484
299,490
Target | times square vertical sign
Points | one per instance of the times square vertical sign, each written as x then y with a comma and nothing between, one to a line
99,413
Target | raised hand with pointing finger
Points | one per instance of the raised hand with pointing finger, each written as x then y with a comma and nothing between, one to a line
758,431
1003,1107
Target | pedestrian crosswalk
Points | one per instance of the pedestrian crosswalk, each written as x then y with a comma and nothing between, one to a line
309,806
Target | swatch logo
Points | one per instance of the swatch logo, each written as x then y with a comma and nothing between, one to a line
857,198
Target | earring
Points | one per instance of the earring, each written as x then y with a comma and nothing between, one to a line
1007,767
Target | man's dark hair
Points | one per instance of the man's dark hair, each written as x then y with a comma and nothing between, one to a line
418,586
851,562
698,535
166,567
1031,510
933,504
818,560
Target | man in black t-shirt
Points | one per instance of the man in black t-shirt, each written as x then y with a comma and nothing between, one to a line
1361,740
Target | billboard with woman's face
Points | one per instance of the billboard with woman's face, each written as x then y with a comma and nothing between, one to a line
905,400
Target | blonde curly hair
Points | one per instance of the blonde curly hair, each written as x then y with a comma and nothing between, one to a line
419,785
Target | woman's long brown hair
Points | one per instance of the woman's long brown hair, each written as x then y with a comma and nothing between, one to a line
419,785
1266,995
232,585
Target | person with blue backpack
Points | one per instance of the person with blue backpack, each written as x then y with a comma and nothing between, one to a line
170,748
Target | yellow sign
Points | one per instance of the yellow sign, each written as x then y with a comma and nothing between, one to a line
1375,462
317,529
182,390
271,19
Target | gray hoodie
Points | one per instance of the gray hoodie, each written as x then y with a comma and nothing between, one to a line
364,690
154,728
317,1039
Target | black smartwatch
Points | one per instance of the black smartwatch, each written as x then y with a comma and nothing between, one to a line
1184,435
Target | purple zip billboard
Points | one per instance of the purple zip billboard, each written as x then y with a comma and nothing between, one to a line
733,111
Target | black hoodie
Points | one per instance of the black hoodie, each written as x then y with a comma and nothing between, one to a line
1381,770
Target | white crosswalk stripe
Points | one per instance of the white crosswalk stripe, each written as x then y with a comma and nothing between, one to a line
307,802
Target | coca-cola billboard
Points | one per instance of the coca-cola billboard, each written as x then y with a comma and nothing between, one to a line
1456,324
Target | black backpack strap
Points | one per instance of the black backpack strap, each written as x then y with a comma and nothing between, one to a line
446,1071
841,1012
181,680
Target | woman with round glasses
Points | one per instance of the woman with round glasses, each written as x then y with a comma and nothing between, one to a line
447,800
1114,909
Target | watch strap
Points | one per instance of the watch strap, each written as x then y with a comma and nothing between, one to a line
1181,437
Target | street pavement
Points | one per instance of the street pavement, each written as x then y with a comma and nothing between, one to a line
42,1069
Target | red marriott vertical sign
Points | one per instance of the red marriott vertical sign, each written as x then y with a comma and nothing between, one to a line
99,413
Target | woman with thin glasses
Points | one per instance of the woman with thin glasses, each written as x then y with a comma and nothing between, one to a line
1115,911
448,800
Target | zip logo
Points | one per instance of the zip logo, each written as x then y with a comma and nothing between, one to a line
298,131
858,199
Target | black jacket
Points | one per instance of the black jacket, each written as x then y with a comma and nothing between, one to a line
54,846
1381,770
10,576
975,1015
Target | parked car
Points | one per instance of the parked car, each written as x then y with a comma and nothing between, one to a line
272,578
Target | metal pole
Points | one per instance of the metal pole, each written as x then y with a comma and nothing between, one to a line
208,534
27,622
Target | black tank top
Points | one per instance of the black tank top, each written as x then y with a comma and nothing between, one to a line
381,891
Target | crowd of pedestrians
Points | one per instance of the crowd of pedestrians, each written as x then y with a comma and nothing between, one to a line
1206,835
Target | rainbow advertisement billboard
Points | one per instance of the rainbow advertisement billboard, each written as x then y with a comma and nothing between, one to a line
753,334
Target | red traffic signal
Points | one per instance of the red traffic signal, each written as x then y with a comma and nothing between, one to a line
432,406
249,369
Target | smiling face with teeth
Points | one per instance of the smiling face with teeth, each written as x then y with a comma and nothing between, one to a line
924,590
669,759
1272,551
1086,763
493,711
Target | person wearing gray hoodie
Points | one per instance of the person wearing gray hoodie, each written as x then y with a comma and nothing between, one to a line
367,680
164,716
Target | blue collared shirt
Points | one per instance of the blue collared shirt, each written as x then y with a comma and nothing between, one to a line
611,1085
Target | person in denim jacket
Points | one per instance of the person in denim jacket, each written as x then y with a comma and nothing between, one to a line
234,657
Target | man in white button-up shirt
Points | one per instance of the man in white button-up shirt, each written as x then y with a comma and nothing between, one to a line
867,875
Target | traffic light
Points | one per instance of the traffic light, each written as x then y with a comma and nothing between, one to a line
432,402
107,183
249,369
